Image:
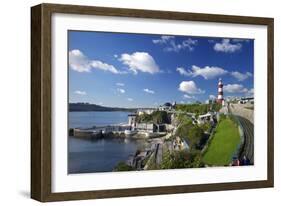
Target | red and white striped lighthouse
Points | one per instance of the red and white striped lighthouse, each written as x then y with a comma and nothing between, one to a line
220,92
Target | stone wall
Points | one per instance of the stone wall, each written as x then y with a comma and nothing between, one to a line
241,110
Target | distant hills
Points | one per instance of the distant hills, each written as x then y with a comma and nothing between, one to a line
84,107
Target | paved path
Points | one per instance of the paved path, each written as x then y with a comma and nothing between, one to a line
248,147
241,110
159,154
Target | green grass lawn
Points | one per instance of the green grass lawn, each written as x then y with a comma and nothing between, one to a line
223,144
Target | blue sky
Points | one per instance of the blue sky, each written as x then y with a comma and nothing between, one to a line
145,70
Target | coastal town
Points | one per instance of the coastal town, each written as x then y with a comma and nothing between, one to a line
218,132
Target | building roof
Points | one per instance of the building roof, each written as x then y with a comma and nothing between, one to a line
167,104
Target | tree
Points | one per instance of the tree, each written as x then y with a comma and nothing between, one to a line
174,160
182,130
198,108
122,166
144,118
160,117
195,134
216,107
167,161
191,133
206,126
157,117
194,160
181,159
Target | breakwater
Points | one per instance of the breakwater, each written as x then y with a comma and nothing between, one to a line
100,131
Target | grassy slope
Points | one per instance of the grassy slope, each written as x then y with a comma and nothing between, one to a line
223,144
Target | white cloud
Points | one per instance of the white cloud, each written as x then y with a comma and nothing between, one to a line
171,45
140,61
80,92
250,92
104,66
235,88
119,84
240,76
80,63
206,72
227,47
186,96
115,55
149,91
122,91
163,39
211,96
190,87
130,99
182,71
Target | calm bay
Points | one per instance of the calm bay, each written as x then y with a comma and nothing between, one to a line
99,155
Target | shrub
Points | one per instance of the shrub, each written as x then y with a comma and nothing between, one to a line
157,117
122,166
181,159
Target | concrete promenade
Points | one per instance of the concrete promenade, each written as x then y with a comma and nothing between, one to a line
241,110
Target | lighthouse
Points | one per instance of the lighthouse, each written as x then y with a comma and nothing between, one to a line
220,99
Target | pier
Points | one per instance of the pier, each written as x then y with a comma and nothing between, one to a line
100,130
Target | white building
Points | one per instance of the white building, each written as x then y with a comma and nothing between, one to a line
208,117
146,127
245,100
132,120
145,111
